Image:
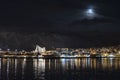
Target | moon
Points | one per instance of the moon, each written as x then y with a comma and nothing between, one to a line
90,11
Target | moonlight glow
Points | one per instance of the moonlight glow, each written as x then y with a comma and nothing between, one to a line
90,12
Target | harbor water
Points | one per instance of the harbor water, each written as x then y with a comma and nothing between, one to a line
60,69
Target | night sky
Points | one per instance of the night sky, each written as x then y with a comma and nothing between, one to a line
51,14
59,23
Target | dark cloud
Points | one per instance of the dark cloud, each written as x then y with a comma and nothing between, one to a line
65,18
50,14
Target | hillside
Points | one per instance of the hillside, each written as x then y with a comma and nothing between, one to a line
28,41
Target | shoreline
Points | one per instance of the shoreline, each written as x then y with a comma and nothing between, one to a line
47,57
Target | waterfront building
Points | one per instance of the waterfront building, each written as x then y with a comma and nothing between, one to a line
39,50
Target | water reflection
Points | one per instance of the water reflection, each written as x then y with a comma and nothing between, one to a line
23,67
39,68
0,68
67,69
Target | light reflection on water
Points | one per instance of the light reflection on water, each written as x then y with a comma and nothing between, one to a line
47,69
39,68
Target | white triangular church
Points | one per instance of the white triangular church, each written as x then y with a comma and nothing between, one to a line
39,49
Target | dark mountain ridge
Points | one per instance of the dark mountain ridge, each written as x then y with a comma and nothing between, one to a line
80,33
